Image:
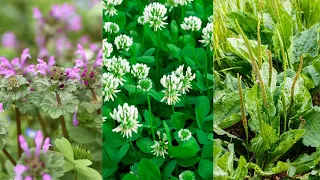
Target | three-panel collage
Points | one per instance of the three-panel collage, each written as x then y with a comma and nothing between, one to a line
160,90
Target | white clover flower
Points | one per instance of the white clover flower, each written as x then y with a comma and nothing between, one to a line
210,18
107,48
186,78
123,42
140,71
192,23
108,6
118,67
160,147
184,134
141,20
127,116
111,27
183,2
110,85
171,4
144,84
155,15
172,85
207,35
187,175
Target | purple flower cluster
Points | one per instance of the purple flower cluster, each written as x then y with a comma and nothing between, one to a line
17,65
60,20
9,40
33,160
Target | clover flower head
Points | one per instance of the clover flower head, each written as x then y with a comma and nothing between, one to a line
141,20
171,4
123,42
34,162
184,134
207,35
109,7
172,85
210,19
160,147
127,116
183,2
144,84
118,67
107,48
111,27
192,23
155,15
187,175
140,71
185,79
110,88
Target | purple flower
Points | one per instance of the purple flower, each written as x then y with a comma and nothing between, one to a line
38,141
84,61
74,24
46,177
28,178
17,65
1,107
46,145
19,169
9,40
75,120
99,60
24,145
73,73
43,67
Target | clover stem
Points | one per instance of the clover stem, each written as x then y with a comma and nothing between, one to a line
61,118
142,42
42,123
173,112
157,58
135,93
150,116
8,155
206,71
18,121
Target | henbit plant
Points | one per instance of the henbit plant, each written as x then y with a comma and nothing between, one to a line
265,102
40,93
156,86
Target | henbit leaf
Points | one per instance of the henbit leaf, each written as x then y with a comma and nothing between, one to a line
64,146
148,170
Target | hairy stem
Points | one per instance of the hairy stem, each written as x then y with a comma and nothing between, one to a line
61,118
8,155
42,123
95,99
19,132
